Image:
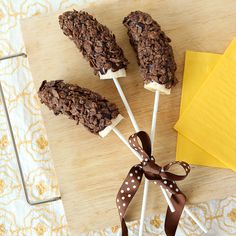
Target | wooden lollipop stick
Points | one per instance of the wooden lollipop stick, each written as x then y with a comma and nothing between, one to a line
123,139
153,131
165,192
146,183
126,104
154,118
194,218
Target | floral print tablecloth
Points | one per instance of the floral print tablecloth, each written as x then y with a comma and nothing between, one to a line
16,216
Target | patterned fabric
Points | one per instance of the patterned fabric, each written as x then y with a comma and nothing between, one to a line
219,217
16,216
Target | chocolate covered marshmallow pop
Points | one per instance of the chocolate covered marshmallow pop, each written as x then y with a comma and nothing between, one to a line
154,53
98,46
84,106
157,66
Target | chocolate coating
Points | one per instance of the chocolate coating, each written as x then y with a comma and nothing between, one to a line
80,104
97,44
154,52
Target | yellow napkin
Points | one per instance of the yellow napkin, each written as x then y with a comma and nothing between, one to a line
210,120
197,67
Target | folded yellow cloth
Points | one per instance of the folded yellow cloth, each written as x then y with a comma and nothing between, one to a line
197,67
210,120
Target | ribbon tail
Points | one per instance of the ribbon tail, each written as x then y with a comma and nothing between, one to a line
126,193
172,218
124,228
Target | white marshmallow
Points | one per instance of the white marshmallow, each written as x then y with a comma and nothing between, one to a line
110,74
154,86
108,129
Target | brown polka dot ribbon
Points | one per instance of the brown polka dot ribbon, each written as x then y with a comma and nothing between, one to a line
160,176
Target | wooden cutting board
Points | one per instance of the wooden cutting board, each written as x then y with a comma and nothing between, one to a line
91,169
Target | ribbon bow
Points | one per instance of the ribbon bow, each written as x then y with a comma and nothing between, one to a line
160,175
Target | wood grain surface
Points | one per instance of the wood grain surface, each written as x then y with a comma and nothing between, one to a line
91,169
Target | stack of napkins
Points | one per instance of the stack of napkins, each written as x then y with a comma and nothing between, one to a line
207,124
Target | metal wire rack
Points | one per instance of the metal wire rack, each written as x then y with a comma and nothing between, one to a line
32,203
